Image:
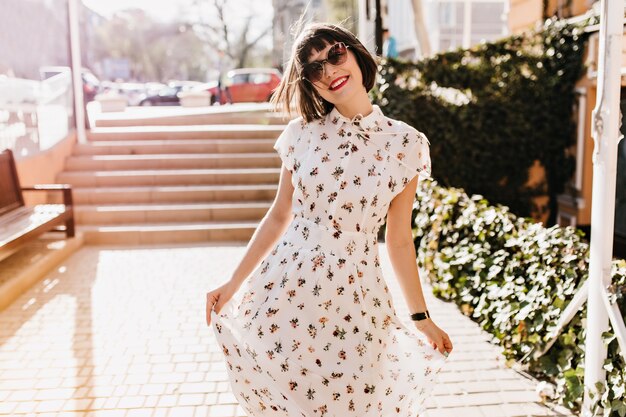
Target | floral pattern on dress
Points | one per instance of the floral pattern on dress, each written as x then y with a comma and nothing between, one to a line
313,331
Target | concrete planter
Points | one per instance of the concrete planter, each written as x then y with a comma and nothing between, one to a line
111,102
195,98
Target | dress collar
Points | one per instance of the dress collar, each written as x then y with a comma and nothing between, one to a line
372,122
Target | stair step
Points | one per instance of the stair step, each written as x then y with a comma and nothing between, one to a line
262,118
172,161
185,132
170,213
171,115
170,177
173,176
156,233
171,194
187,146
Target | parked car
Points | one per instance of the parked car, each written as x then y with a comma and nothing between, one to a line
168,96
134,92
246,85
153,87
91,83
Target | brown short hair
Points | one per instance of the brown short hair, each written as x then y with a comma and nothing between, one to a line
315,36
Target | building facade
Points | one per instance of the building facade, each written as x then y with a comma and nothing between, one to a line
34,34
450,24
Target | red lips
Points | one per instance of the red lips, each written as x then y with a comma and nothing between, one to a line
341,83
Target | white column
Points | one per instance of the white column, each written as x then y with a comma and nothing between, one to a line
605,132
77,81
580,137
366,26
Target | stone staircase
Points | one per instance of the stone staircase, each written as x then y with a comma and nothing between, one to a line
151,181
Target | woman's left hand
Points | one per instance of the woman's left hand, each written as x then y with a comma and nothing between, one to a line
437,338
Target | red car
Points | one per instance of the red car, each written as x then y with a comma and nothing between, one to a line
246,85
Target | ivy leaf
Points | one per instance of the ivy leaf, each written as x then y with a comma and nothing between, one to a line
619,406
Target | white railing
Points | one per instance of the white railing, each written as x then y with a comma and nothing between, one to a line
597,290
34,115
606,120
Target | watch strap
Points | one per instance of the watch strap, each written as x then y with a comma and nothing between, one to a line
420,316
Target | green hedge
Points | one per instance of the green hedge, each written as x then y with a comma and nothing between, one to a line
492,110
515,277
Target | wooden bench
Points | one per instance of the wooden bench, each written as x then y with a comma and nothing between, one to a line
20,224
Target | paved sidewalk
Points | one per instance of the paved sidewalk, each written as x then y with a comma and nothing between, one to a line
121,332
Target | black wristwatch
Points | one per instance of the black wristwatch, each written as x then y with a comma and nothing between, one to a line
420,316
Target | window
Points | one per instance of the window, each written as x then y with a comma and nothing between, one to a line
447,14
169,91
487,19
260,78
239,79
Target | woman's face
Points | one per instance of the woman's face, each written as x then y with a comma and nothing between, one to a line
340,83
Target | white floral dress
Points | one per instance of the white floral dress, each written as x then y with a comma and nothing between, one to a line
313,330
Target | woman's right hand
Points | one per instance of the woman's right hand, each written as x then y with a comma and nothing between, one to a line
216,298
437,338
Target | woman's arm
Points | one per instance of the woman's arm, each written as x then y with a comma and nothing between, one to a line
271,227
401,249
269,230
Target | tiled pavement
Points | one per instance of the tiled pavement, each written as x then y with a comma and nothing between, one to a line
121,332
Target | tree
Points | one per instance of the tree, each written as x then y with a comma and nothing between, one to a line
215,26
155,51
342,10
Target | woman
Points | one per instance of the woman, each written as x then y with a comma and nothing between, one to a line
314,331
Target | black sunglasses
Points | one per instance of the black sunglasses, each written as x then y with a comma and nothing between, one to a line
337,55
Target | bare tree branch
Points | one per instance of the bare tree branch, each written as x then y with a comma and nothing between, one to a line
219,6
248,45
220,35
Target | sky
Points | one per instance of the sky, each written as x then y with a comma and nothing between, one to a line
165,10
160,9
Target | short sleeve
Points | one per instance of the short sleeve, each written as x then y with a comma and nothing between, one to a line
285,145
417,159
